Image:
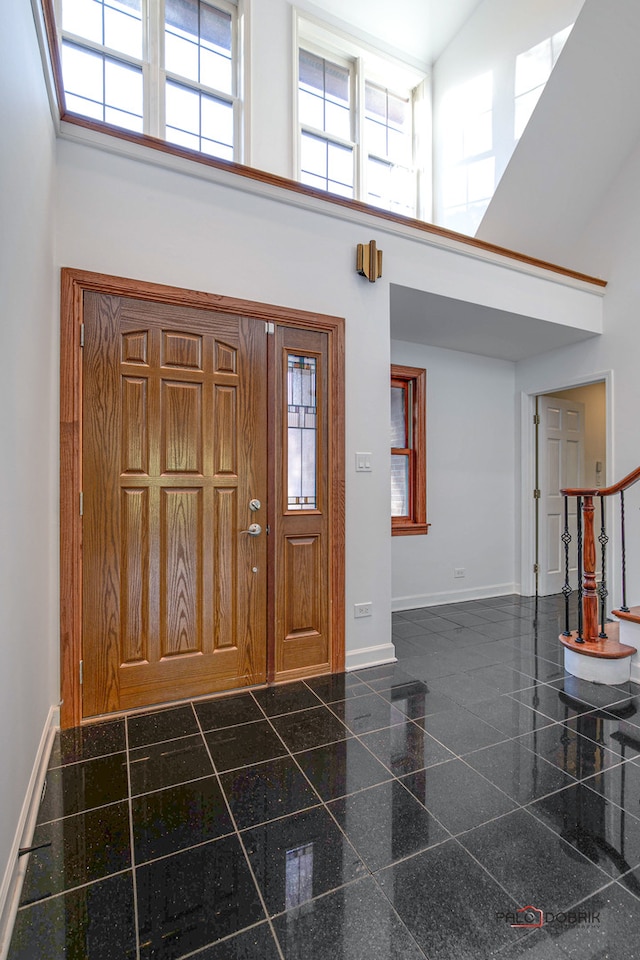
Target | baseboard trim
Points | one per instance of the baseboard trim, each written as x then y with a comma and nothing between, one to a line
16,866
454,596
370,657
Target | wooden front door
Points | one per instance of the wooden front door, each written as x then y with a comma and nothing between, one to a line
174,450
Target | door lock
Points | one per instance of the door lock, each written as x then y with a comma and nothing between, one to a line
254,530
254,505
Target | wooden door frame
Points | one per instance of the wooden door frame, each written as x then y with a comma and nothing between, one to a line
73,285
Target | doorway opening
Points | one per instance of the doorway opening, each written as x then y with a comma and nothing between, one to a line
570,451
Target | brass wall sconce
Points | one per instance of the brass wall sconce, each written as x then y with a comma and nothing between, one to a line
369,261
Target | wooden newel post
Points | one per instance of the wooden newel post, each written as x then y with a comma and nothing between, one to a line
589,595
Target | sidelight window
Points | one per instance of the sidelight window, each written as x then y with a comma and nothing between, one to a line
302,432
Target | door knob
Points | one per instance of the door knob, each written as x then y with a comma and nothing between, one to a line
254,530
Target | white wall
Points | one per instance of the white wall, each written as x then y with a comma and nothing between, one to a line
491,40
270,86
609,240
28,401
470,481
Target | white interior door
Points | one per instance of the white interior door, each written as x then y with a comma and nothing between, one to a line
561,440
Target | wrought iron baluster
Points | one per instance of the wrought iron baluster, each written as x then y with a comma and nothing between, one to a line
579,638
566,590
624,606
602,590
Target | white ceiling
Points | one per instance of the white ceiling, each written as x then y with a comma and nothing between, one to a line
421,28
420,317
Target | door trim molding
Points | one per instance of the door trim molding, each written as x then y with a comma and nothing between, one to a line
527,463
73,285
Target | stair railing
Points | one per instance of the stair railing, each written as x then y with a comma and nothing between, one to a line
591,598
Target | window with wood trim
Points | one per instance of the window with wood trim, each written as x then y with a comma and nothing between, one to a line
408,451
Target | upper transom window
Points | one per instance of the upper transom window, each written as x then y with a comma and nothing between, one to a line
168,69
356,122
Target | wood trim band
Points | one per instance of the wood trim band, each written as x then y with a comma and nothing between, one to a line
70,486
73,285
49,16
262,176
623,484
285,183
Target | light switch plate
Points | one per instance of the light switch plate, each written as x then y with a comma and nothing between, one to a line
363,462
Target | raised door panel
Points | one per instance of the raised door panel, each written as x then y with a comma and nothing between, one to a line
181,574
304,640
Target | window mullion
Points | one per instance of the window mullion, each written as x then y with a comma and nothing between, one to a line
155,67
94,47
236,89
195,85
322,135
360,191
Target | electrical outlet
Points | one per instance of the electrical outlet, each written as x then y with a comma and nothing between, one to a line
458,572
362,609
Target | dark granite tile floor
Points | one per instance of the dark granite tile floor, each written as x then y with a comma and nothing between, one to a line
408,811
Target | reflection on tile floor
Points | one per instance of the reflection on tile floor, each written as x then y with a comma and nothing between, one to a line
401,812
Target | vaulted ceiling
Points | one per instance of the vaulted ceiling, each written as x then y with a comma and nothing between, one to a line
420,28
584,128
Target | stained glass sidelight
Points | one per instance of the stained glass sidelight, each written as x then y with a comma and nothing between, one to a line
302,414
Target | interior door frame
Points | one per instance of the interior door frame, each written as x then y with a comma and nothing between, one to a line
74,283
527,583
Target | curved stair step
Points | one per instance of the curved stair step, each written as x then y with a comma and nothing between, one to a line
632,614
609,649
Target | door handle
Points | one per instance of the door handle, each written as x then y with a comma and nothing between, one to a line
254,530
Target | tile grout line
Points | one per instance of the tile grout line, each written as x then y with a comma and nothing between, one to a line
565,910
555,684
80,813
393,778
323,802
134,878
555,835
371,874
74,889
200,951
240,841
74,763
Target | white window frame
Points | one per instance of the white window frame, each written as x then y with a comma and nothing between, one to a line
321,134
155,76
366,64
